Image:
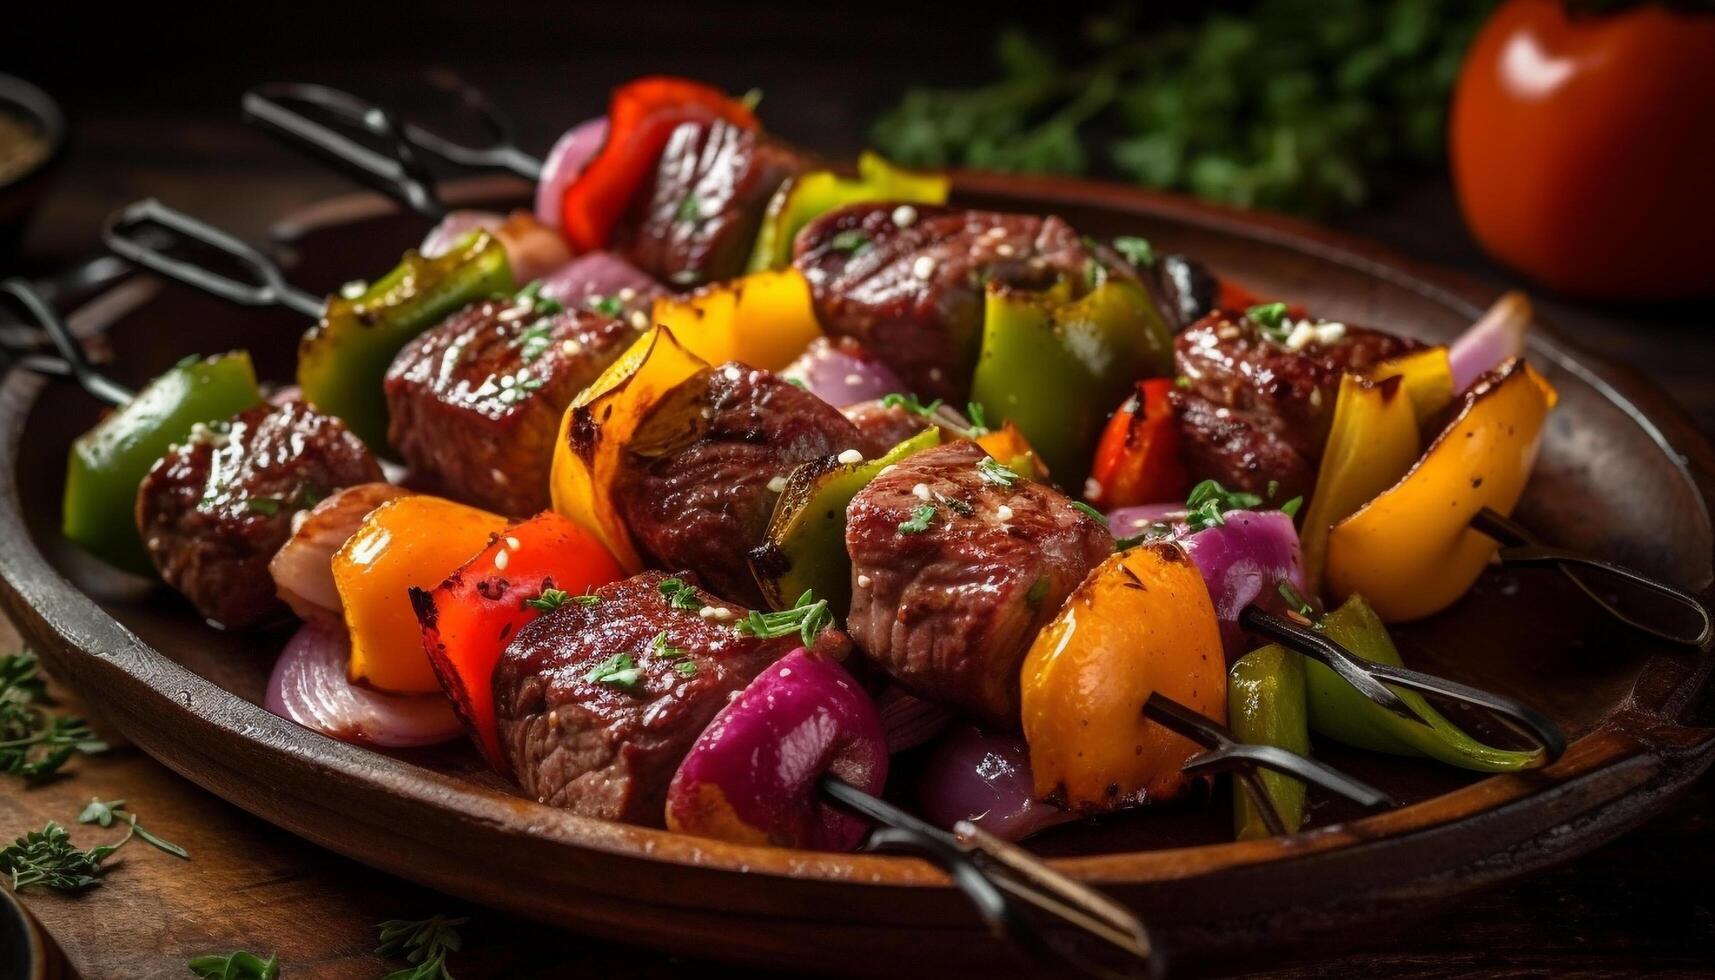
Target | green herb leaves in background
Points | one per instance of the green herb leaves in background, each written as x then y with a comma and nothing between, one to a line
237,965
1294,105
424,943
34,741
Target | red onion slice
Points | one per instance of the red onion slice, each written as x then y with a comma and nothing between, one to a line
1243,561
1487,344
571,153
455,226
842,373
985,779
309,686
601,275
1126,522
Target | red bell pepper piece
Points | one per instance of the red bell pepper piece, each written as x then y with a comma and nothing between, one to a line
470,618
640,118
1137,460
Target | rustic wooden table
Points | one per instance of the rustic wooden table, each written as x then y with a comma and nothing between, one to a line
1639,906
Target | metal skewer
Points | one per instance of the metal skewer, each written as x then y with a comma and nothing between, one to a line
1520,546
1316,645
397,172
146,231
72,362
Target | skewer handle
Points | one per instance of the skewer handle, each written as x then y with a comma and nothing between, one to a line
1519,546
503,153
126,234
397,172
73,361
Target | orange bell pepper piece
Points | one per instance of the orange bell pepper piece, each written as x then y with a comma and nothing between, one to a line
598,424
1411,551
411,541
468,619
1009,446
764,319
1141,622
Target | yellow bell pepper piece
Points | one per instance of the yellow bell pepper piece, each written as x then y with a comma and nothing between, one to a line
764,319
803,200
1428,378
597,426
1372,442
409,541
1411,551
1142,621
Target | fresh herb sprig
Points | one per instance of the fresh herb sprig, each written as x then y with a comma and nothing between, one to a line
807,617
36,742
974,414
236,965
425,943
1209,501
47,858
995,472
680,594
105,812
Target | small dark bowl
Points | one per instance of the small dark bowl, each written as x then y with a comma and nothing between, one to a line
20,194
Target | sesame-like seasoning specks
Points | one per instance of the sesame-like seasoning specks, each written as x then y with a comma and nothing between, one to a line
502,558
777,485
904,216
850,457
921,491
924,267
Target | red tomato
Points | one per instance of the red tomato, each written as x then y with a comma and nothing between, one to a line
1583,147
1137,459
469,618
640,118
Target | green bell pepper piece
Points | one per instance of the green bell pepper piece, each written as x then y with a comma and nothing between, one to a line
805,547
343,359
1056,368
1339,712
108,462
804,199
1266,706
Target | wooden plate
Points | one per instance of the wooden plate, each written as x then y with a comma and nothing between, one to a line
1622,474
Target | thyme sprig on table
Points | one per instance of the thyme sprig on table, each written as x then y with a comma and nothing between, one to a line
35,742
47,858
236,965
425,943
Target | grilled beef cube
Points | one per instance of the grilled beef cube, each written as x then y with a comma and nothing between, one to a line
954,573
214,510
597,703
474,403
1255,410
700,478
696,223
907,281
883,426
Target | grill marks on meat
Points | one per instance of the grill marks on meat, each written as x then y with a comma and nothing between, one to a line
695,488
475,402
696,222
950,611
214,510
913,292
609,750
1254,410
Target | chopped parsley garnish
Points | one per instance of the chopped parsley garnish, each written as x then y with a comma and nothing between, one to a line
956,505
690,209
619,670
685,668
911,404
1271,317
550,600
799,382
1136,250
1181,382
1209,500
539,304
1094,514
851,241
586,599
680,594
1095,273
807,617
1290,508
1038,592
659,647
606,305
266,506
979,419
921,518
533,341
994,471
187,361
1294,601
